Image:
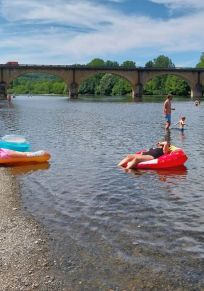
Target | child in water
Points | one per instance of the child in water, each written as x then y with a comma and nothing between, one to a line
182,122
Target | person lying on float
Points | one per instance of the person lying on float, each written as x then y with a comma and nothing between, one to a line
130,161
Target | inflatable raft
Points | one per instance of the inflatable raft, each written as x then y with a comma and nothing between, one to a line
14,142
8,157
175,158
21,147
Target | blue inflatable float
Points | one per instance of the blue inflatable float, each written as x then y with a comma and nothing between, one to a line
15,143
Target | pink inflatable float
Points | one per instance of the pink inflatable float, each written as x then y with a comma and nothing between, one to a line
14,157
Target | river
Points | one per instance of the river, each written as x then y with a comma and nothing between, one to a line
113,230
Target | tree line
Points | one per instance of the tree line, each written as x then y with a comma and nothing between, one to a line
106,83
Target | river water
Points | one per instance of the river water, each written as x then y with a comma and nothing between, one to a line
112,230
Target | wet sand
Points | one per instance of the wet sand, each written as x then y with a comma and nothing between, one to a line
26,262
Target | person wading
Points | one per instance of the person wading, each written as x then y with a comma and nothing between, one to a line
167,110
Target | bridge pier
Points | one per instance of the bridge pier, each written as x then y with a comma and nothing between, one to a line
3,90
137,92
196,92
73,90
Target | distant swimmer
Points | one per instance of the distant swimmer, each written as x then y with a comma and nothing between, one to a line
167,110
197,102
9,98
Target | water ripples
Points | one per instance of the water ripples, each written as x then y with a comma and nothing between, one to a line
120,223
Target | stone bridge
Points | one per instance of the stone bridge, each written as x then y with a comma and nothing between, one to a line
74,75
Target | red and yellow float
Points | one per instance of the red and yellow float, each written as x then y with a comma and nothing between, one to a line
175,158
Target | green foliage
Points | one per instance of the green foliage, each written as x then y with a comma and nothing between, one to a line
201,61
111,64
167,83
89,87
121,87
37,84
162,62
106,84
96,63
128,64
176,86
149,64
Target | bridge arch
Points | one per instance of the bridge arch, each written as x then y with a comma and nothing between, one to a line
10,73
40,83
188,77
81,79
151,76
18,74
173,84
82,76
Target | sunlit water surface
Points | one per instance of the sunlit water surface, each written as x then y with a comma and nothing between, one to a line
111,229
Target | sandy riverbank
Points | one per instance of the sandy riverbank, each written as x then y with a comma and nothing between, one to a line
25,259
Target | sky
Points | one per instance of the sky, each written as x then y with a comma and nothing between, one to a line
66,32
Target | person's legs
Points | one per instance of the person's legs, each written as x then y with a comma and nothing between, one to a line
137,159
168,121
126,160
167,125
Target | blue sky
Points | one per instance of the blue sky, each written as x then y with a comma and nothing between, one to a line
77,31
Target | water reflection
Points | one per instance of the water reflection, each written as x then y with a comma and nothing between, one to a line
28,168
181,134
167,135
163,174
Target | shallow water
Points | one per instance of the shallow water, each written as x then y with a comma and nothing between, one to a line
111,229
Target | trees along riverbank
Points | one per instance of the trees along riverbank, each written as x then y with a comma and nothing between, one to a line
105,84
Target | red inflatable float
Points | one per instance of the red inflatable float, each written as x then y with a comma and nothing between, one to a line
175,158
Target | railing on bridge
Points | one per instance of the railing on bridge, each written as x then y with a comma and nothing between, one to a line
86,67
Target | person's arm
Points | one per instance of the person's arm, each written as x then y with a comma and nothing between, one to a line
172,108
166,146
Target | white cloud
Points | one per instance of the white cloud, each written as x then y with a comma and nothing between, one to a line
119,35
181,4
80,13
116,1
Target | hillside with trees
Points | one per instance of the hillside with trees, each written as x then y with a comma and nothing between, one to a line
38,84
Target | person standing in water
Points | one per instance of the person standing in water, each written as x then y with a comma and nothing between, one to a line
8,98
167,110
